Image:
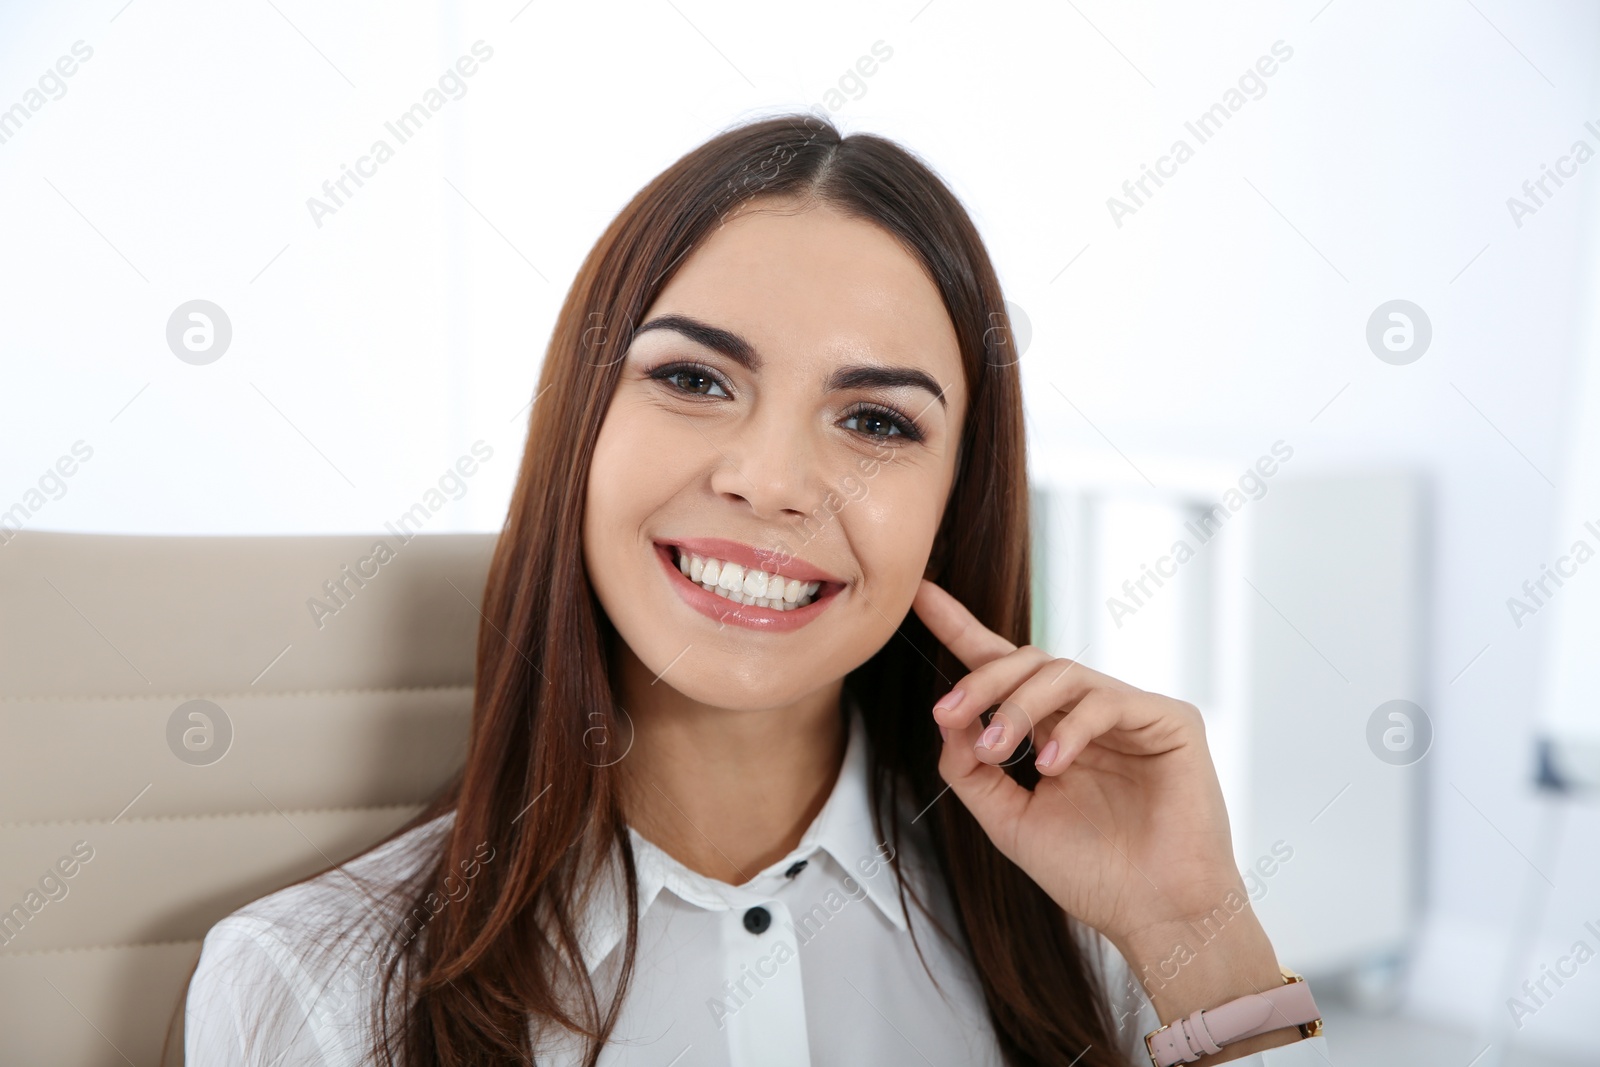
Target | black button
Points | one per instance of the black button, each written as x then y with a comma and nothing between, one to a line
757,919
796,868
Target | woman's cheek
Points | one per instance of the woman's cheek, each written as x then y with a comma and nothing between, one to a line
898,533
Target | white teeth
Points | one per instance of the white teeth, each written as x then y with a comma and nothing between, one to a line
746,586
755,584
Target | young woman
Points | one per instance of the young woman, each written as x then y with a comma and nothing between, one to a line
734,794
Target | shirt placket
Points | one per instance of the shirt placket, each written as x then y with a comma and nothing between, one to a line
763,995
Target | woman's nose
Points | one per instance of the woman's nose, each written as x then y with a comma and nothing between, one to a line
771,463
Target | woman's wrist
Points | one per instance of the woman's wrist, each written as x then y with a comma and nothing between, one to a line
1196,966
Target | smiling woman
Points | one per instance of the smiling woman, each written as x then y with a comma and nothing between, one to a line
790,346
688,569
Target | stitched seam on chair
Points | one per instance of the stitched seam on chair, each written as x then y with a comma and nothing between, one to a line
236,693
99,948
213,815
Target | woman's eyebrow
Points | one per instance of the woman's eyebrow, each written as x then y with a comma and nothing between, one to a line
742,352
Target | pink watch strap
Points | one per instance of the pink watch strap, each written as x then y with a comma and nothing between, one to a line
1206,1031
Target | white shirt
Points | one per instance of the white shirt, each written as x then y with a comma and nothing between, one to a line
831,978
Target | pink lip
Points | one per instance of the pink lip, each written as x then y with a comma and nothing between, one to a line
750,616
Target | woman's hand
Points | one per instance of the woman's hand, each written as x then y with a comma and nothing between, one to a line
1126,831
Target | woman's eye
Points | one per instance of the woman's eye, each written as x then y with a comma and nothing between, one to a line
883,424
698,381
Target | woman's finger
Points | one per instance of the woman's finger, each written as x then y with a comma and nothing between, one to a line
987,686
1141,723
1057,685
994,799
956,628
1099,711
1029,685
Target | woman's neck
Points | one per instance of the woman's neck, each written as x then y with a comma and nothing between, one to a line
726,793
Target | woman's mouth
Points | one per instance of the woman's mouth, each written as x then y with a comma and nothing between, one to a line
750,597
744,585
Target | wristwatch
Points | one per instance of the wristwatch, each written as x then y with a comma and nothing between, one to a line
1207,1030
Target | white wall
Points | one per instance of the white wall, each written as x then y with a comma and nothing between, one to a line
1228,312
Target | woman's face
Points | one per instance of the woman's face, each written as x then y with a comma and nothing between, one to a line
790,406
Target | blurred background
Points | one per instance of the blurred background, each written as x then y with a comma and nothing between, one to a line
1304,296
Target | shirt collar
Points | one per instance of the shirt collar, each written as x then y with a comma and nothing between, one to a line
843,830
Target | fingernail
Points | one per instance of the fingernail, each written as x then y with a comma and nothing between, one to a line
1048,755
992,735
949,701
944,732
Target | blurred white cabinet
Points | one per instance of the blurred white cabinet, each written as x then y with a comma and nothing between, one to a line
1287,619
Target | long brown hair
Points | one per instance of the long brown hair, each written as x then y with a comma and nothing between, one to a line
466,989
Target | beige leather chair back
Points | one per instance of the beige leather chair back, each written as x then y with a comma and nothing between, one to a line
183,729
